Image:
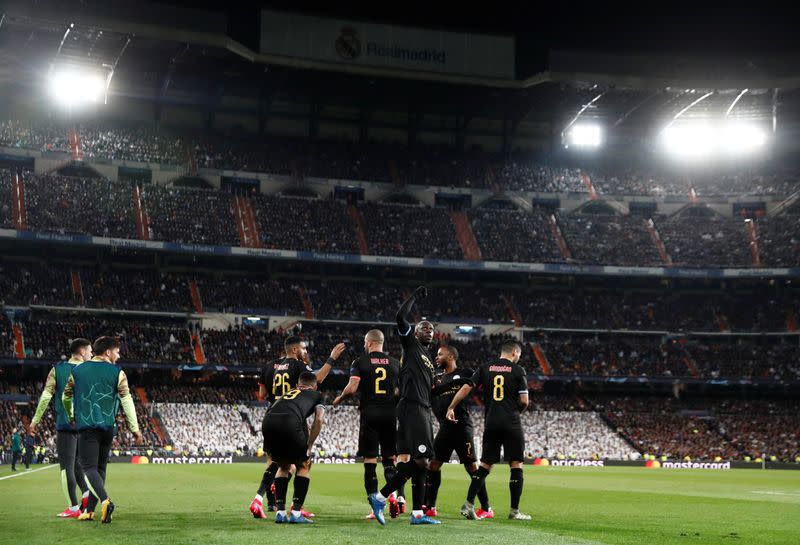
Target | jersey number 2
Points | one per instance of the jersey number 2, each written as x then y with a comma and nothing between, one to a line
380,375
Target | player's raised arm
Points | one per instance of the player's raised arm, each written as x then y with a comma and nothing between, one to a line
323,371
403,313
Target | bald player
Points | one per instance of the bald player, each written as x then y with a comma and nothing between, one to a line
375,376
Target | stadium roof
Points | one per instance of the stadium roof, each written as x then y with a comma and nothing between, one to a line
194,55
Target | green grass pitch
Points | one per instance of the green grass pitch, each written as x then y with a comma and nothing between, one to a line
207,505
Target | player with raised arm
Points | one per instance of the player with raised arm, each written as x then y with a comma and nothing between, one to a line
505,396
414,426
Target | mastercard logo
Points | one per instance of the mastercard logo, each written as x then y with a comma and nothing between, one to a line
140,460
652,463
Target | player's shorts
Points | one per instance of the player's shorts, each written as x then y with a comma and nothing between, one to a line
285,439
455,437
414,430
510,437
377,429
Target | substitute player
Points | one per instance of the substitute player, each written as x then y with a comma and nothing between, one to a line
66,433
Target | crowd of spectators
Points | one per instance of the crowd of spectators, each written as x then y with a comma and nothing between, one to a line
240,346
609,240
779,240
297,223
744,358
88,206
410,231
706,241
617,355
514,235
6,204
762,428
428,164
200,427
250,294
696,237
519,174
142,341
135,290
35,284
191,216
660,427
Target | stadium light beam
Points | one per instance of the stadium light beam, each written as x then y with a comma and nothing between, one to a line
72,87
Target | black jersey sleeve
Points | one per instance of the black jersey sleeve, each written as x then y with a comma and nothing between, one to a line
355,368
520,381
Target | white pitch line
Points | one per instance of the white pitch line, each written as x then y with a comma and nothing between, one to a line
23,472
773,493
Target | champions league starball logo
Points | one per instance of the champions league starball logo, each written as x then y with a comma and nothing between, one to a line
348,46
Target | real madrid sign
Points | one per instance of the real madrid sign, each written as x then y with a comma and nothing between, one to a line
386,46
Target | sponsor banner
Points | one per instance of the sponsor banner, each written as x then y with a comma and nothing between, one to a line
346,42
690,465
194,460
171,460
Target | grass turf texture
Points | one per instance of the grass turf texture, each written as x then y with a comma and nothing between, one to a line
159,504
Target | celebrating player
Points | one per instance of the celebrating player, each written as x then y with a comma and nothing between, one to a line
505,395
374,375
452,436
414,427
288,442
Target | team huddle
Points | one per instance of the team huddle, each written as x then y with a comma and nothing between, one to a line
396,402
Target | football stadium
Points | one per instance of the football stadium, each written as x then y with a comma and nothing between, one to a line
287,275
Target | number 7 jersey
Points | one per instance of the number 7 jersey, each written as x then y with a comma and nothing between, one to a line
379,375
502,383
280,376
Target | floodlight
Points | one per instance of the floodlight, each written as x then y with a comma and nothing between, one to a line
585,135
73,86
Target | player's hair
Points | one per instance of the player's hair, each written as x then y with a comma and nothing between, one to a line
291,341
76,345
452,350
509,346
307,378
103,344
375,336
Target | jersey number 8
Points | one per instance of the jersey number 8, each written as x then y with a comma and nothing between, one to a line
497,391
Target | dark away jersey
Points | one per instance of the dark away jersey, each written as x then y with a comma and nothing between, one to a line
297,403
503,382
447,385
280,376
416,371
379,374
